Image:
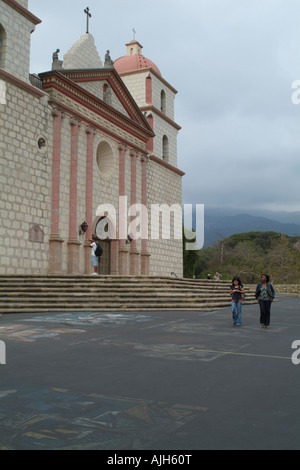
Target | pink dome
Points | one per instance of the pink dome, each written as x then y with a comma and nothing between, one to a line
129,63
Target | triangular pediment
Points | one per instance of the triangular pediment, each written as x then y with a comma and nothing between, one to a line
106,85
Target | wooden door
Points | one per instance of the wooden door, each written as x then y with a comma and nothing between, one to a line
104,265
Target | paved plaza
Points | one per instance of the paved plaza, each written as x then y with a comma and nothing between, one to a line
150,380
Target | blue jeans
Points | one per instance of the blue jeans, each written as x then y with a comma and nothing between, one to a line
237,312
265,312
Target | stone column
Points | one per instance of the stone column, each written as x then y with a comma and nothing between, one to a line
73,243
145,255
114,257
123,250
90,133
55,242
134,254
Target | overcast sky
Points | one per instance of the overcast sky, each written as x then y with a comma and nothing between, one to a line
233,63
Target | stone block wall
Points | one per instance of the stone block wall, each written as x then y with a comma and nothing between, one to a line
164,187
135,83
25,182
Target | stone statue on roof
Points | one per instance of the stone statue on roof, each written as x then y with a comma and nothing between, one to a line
56,63
108,62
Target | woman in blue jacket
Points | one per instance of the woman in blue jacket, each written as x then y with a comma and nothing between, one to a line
265,294
237,292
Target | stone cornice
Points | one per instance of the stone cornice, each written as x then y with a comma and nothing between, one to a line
23,11
163,116
20,84
166,165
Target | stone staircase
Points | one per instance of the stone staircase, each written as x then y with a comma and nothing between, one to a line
32,294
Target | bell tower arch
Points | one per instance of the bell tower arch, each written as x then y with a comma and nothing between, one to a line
2,47
15,42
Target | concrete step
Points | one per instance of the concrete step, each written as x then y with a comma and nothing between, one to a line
98,280
115,308
112,293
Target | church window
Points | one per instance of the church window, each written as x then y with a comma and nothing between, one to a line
165,148
105,159
42,144
163,102
2,47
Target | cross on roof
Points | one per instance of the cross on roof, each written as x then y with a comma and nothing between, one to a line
88,16
134,33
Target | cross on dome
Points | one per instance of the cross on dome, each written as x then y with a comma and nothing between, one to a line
88,16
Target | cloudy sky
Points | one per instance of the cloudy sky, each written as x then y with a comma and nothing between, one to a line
233,63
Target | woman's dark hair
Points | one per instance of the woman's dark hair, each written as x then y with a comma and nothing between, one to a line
267,277
237,279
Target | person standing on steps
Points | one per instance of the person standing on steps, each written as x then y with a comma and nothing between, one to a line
237,292
95,255
265,295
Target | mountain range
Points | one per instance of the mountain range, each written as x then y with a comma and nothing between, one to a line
221,223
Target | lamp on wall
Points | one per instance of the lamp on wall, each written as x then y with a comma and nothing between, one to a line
130,239
83,228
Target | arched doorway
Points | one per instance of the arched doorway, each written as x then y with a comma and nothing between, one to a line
102,232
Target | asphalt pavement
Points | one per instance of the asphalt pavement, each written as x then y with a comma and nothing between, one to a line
151,380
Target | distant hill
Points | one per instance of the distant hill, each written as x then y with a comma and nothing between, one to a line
221,224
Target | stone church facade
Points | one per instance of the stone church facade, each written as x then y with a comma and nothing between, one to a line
77,142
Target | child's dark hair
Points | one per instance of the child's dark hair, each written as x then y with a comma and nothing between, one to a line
236,278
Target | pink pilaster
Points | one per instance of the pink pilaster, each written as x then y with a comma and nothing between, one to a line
55,242
123,250
56,171
90,132
145,256
73,243
134,254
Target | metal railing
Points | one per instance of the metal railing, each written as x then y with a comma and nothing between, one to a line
36,81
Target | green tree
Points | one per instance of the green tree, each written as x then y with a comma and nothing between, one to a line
250,254
245,261
190,258
283,261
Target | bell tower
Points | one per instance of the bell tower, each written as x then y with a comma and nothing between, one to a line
155,97
15,42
